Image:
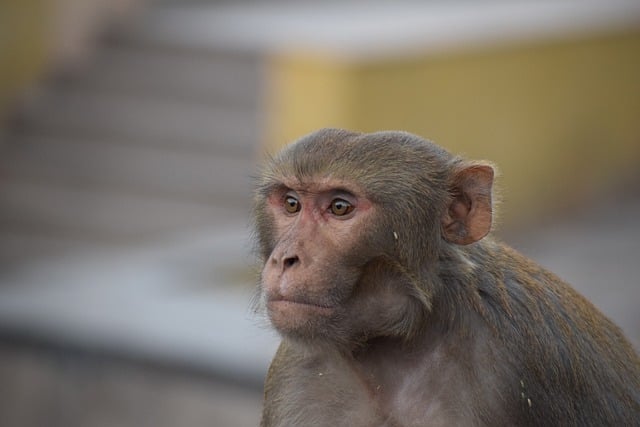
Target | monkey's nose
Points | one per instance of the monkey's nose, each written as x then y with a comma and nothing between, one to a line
290,262
283,262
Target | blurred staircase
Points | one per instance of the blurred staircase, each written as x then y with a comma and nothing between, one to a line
124,200
149,138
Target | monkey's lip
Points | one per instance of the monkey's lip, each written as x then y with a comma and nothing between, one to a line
284,303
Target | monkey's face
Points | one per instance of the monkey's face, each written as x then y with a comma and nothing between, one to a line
350,227
319,252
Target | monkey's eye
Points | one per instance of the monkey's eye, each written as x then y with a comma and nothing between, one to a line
291,204
340,207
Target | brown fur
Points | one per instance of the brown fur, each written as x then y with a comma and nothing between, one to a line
402,312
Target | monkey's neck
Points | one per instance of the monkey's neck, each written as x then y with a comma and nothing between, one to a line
386,365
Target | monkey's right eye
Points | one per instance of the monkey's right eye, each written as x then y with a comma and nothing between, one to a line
291,204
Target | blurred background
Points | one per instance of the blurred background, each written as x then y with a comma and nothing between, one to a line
130,129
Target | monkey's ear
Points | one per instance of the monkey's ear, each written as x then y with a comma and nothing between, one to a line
468,217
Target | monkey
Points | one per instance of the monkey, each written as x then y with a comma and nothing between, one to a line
397,307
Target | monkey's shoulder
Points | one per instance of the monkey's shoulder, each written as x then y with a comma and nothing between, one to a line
565,352
527,301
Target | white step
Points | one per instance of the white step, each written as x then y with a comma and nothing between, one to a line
223,78
133,119
90,214
172,173
179,301
19,247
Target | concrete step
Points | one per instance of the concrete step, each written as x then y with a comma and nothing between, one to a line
178,174
21,247
184,301
219,77
62,388
91,215
23,244
75,112
203,28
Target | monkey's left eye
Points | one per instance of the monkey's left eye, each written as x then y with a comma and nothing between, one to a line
340,207
291,204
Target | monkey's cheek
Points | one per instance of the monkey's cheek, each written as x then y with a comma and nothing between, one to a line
288,316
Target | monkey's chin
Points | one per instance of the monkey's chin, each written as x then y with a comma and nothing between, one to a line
289,316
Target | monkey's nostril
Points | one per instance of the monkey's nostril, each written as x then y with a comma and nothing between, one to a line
290,261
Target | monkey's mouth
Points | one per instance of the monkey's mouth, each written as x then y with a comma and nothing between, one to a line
294,305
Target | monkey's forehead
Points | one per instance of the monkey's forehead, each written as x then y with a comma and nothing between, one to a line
366,164
315,184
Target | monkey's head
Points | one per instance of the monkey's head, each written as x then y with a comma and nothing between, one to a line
352,229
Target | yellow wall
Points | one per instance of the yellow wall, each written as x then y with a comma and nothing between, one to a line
561,119
23,30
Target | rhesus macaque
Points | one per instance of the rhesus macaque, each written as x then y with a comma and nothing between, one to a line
396,309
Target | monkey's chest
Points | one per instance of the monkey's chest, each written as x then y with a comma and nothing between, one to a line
341,395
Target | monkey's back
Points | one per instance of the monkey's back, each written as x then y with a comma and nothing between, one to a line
575,365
